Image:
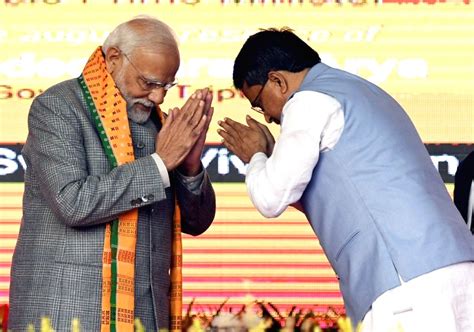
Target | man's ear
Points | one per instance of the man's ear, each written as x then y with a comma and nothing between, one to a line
279,80
113,59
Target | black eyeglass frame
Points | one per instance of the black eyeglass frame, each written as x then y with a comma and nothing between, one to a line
254,103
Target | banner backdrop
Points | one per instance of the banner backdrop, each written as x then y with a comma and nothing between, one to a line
420,53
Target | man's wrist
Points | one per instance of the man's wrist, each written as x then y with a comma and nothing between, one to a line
192,183
257,156
190,170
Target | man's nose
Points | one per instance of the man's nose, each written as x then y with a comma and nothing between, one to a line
157,95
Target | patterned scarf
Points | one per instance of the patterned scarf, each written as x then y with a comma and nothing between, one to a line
109,113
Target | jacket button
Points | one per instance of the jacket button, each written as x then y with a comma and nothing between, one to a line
147,198
135,202
140,145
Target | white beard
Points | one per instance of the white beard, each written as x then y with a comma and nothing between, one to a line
138,114
135,113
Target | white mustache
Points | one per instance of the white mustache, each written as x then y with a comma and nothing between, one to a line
142,101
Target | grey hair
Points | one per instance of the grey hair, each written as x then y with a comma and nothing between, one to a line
141,32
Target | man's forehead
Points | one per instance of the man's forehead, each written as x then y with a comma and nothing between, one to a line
249,89
164,51
154,64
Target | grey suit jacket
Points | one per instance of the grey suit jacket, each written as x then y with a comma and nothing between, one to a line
70,194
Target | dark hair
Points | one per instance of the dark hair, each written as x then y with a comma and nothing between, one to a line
271,49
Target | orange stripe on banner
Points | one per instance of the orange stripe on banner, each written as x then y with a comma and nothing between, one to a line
257,237
250,251
270,280
9,221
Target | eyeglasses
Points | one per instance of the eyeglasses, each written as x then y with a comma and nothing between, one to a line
147,84
258,109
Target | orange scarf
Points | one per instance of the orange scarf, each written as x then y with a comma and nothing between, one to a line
109,113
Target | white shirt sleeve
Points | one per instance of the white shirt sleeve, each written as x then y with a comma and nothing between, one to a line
162,169
312,122
192,183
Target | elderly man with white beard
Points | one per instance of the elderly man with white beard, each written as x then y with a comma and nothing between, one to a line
111,182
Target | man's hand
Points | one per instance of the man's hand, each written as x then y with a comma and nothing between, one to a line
181,130
192,163
268,135
245,141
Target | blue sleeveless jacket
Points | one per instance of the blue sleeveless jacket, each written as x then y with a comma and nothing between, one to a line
376,202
